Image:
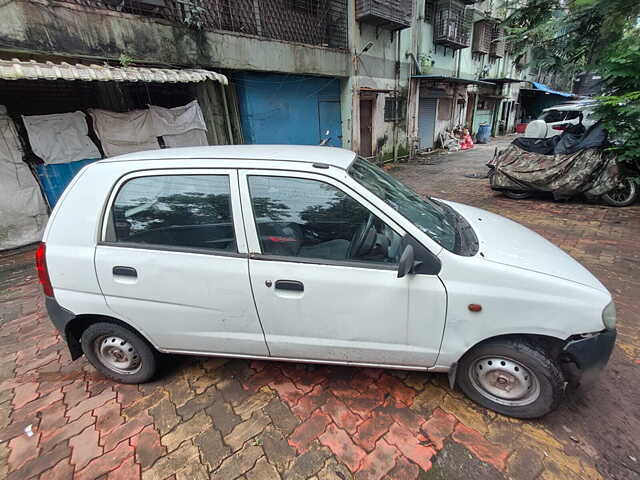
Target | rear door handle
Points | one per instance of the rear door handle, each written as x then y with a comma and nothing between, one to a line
125,271
292,285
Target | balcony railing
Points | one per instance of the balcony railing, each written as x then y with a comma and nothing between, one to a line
313,22
497,49
390,14
452,25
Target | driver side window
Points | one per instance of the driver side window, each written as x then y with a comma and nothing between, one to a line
304,218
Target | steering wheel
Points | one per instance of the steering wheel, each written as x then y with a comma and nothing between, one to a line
363,239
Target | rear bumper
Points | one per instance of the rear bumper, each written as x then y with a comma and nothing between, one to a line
591,355
60,317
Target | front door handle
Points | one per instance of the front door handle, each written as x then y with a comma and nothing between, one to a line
292,285
125,272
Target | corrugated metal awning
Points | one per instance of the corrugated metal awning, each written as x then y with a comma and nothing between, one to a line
31,70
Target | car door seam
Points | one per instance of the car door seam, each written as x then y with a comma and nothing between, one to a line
246,239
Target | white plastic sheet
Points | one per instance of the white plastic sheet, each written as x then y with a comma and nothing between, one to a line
61,137
180,126
121,133
23,213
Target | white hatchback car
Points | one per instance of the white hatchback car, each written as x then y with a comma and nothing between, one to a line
312,254
555,120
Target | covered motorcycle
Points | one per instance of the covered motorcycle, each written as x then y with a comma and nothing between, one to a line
573,163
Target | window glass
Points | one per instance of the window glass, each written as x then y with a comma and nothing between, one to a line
572,115
553,116
433,218
307,218
177,210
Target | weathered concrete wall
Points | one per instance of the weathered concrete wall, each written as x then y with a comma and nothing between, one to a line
66,29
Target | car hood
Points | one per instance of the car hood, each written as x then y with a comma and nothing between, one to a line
509,243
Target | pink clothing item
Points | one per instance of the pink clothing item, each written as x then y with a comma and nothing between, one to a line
467,143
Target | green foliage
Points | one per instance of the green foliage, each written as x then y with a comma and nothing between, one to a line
125,60
620,109
566,36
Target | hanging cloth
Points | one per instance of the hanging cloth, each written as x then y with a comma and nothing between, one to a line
23,213
60,138
180,126
122,133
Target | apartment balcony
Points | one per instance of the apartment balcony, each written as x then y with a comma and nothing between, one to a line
312,22
452,24
389,14
497,48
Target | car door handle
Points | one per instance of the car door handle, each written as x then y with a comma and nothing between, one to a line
292,285
125,272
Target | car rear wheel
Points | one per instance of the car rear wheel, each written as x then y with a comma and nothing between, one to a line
624,195
512,377
119,353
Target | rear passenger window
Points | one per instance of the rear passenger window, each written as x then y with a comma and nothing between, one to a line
192,211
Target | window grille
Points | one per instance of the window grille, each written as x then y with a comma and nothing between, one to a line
497,49
390,113
452,24
391,14
313,22
482,35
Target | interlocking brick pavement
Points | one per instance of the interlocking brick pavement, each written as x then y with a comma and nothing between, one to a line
227,419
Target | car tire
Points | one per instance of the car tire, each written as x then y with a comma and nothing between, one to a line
119,353
513,377
624,195
517,195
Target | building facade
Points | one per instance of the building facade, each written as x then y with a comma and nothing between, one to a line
383,78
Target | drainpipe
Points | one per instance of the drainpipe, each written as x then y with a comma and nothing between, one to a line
226,113
395,119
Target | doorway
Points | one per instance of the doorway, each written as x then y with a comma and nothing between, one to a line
366,127
427,122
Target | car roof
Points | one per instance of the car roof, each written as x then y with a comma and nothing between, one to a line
336,157
572,107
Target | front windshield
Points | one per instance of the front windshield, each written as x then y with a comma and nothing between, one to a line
433,218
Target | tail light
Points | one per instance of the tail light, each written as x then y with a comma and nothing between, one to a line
559,127
43,273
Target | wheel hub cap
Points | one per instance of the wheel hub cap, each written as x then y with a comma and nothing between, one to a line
504,381
117,354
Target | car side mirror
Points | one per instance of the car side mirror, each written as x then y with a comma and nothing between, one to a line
416,259
407,263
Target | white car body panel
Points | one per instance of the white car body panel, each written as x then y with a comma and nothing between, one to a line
204,303
540,128
507,242
346,313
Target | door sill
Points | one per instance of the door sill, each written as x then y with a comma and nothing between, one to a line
298,360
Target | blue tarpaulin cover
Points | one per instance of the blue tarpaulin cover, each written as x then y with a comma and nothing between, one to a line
544,88
55,177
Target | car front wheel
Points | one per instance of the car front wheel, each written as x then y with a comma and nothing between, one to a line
119,353
516,378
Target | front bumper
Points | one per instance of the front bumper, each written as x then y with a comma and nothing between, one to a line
590,354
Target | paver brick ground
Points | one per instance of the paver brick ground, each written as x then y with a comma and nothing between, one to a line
217,418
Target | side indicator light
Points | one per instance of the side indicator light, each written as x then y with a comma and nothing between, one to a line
474,307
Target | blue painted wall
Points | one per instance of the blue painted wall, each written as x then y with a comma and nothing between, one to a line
289,109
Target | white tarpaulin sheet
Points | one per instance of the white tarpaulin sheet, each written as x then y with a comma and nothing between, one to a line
60,138
192,138
121,133
180,126
23,213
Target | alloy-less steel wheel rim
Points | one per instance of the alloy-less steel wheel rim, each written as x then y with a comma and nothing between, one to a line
117,354
622,193
505,381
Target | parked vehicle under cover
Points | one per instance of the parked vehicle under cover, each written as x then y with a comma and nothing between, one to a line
312,254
